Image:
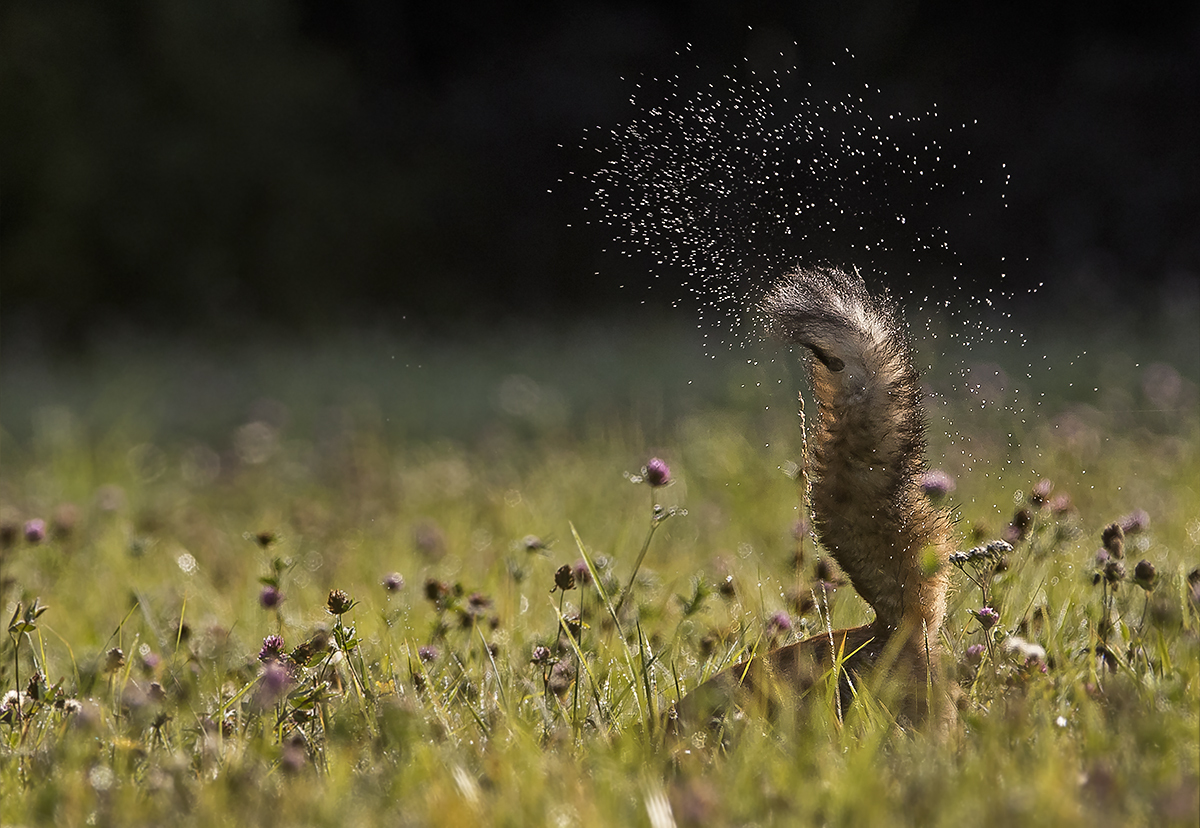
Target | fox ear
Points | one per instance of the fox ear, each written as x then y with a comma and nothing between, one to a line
828,360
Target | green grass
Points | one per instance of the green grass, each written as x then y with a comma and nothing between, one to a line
154,485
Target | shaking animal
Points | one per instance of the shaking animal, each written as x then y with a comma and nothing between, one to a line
868,509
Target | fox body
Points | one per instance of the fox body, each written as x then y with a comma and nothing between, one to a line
868,508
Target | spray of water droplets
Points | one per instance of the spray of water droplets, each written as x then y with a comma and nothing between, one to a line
736,182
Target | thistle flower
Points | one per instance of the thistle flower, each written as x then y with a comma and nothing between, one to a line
974,653
393,582
338,603
428,653
541,655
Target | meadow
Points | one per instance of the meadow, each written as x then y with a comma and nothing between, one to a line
371,580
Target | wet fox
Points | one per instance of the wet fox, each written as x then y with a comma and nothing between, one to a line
868,510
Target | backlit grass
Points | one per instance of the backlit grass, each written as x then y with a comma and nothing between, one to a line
450,679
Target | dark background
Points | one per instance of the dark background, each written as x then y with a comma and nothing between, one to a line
235,165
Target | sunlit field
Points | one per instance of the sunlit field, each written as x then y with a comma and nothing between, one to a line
371,580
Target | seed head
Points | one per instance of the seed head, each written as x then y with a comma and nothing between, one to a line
436,591
564,579
1114,540
1144,575
532,543
114,660
338,603
1114,572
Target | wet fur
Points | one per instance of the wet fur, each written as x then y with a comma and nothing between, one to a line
868,508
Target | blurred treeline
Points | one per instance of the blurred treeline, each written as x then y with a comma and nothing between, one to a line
236,164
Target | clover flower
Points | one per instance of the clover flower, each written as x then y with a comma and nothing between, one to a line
270,597
35,530
338,603
657,473
780,623
987,617
936,483
272,648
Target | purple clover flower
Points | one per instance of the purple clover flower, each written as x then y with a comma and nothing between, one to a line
936,484
270,597
274,684
987,617
35,530
779,623
272,648
657,473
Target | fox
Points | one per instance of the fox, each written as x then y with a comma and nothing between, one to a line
868,510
